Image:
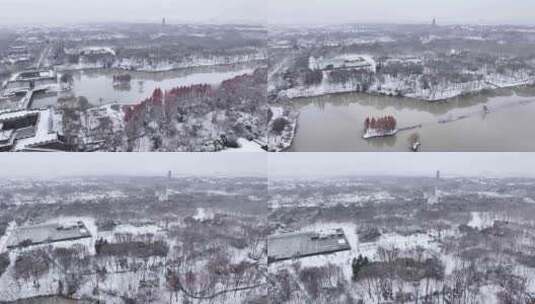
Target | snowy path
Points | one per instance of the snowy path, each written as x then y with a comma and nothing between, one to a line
284,63
5,237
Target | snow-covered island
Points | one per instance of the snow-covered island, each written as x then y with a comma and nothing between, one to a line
134,87
379,127
122,80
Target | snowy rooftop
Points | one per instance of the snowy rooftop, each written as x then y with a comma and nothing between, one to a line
302,244
343,61
33,75
5,134
92,50
46,131
16,114
48,233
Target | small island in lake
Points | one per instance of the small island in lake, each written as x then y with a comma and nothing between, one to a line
380,127
121,80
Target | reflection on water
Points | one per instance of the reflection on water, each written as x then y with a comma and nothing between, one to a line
97,85
335,122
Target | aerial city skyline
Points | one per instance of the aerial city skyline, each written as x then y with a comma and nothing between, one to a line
267,152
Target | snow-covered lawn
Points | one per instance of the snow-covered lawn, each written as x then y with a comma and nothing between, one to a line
246,146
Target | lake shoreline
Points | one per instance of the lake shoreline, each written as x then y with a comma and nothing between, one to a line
378,94
441,110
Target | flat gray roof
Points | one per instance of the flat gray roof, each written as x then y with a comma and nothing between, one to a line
48,233
301,244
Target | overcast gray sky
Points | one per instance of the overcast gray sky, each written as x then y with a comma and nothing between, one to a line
421,164
259,164
143,164
277,11
73,11
400,11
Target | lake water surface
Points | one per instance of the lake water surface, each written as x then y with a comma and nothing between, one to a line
97,85
335,122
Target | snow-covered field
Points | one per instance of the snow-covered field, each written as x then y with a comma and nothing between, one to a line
467,232
135,242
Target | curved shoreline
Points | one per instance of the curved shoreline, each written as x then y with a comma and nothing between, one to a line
52,299
181,69
453,107
378,94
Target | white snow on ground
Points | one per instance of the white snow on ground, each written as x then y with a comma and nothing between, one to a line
277,112
480,220
202,215
493,194
402,242
278,201
371,133
96,50
322,89
12,289
355,198
488,294
215,192
246,146
4,239
16,114
284,140
343,61
127,228
130,229
410,86
116,116
82,196
101,195
407,245
529,274
369,249
141,64
344,199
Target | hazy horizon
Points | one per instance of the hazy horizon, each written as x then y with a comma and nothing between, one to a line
317,165
23,165
276,165
295,12
60,12
515,12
